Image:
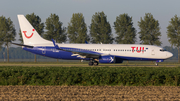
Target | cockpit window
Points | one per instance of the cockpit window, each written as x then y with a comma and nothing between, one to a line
162,50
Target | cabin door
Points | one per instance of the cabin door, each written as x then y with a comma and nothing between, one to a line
152,52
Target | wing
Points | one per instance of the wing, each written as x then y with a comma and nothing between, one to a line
78,52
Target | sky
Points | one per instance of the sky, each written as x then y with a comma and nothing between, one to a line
162,10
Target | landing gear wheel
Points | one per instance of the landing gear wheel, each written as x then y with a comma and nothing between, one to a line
90,63
156,64
95,63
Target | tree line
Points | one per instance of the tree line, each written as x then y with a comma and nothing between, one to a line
100,30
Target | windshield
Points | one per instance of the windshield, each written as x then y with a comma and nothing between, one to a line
162,50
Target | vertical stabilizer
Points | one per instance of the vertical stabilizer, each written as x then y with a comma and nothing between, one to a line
29,34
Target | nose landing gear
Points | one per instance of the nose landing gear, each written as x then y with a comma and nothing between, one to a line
156,64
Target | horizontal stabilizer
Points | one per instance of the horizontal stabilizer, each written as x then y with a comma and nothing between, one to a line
22,45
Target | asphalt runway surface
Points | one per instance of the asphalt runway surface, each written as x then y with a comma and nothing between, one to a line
86,65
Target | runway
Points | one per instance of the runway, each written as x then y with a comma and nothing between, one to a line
85,65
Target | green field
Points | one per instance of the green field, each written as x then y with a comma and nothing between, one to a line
90,76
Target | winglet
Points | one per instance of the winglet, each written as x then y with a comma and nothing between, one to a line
86,42
56,46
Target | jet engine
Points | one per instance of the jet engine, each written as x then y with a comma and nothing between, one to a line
110,59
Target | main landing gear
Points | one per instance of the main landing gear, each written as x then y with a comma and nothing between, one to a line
93,62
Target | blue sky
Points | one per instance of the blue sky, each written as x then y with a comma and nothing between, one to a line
162,10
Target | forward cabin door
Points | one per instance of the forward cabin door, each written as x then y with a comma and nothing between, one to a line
152,52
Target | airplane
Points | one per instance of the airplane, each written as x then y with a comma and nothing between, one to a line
94,53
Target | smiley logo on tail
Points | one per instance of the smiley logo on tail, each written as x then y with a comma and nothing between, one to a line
30,35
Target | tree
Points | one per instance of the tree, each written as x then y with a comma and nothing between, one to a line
100,29
124,29
54,29
77,29
35,21
173,32
7,32
149,30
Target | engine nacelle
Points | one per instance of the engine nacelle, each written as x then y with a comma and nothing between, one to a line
110,59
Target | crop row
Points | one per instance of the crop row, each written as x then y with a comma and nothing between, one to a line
89,76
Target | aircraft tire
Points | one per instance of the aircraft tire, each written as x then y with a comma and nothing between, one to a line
156,64
91,63
96,63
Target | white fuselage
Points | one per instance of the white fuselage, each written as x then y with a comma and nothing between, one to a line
123,50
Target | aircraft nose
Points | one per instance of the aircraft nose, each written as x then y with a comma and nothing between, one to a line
169,54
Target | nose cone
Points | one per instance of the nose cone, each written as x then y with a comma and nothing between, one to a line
169,54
